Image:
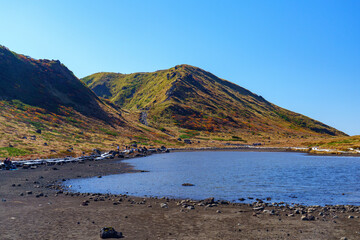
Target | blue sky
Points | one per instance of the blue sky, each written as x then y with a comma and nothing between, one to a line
300,55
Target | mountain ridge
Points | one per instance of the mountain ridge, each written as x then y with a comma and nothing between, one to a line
190,94
45,83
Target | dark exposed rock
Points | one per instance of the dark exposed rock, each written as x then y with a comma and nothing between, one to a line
308,218
209,201
109,232
187,184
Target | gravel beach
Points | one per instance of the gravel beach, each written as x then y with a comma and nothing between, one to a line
34,207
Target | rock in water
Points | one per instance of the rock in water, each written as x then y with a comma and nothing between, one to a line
187,184
109,232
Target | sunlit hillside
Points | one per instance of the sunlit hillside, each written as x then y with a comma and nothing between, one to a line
187,98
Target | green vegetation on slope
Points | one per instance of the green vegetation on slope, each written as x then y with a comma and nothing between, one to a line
188,97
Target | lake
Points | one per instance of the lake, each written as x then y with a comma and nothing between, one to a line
230,175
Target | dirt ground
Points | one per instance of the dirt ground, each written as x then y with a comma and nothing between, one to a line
46,213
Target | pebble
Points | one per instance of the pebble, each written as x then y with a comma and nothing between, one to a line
258,208
271,212
163,205
307,218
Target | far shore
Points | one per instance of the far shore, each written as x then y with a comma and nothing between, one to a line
319,152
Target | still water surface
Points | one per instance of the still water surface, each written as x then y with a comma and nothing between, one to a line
230,175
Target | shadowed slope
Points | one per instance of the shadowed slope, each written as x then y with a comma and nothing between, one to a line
45,83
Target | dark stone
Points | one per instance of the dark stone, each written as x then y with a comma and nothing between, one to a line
308,218
38,131
209,201
187,184
109,232
187,141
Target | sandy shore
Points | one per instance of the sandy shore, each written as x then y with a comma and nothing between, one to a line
32,207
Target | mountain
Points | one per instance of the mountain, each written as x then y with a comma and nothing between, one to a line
47,84
45,111
189,98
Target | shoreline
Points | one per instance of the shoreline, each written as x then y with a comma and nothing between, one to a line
50,213
271,149
320,152
245,199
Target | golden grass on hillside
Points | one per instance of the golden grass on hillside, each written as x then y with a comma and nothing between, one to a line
339,143
68,134
71,134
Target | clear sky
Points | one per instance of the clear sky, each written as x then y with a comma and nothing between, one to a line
300,55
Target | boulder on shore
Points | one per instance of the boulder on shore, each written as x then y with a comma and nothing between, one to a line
209,201
109,232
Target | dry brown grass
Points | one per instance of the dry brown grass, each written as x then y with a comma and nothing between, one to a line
72,133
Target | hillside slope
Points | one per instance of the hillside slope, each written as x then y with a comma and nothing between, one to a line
46,111
45,83
188,97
